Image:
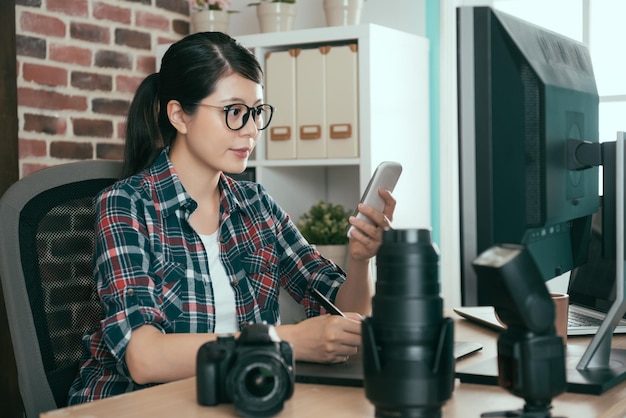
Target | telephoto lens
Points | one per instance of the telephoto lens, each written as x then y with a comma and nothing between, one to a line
407,343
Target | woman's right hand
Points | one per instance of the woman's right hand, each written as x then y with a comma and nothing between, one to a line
325,338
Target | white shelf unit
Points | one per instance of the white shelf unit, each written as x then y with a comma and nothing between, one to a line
393,124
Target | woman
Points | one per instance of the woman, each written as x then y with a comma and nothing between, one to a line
184,253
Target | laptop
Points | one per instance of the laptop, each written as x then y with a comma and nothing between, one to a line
350,372
591,292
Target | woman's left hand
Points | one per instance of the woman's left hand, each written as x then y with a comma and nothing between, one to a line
365,238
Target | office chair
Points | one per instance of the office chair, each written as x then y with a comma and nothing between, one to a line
46,245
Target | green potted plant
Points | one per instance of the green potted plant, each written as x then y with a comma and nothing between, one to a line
271,1
211,4
275,15
324,225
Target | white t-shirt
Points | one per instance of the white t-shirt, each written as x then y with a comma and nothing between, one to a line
225,308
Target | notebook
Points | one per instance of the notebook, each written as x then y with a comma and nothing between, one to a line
591,292
350,373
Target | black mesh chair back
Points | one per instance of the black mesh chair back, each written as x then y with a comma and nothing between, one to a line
46,249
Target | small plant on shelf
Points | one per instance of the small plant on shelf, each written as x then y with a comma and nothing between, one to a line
271,1
210,4
325,224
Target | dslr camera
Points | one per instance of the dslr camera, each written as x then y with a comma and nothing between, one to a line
255,371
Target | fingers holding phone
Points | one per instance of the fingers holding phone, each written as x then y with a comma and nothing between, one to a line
371,221
377,204
366,237
389,208
377,218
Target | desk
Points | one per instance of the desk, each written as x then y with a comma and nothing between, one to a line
468,400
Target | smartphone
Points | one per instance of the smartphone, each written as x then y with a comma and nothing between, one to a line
385,176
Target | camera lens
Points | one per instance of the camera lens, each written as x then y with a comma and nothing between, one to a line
259,384
259,380
407,343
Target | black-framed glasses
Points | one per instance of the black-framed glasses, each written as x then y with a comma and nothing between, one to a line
237,115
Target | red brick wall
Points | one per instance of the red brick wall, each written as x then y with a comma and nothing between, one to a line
78,65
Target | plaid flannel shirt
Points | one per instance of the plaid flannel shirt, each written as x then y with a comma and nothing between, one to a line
151,268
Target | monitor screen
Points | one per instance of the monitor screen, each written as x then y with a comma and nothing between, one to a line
523,92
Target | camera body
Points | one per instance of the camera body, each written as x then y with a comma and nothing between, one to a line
255,371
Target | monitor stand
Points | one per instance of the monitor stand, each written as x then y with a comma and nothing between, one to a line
598,367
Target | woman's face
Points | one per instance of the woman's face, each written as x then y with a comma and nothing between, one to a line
208,141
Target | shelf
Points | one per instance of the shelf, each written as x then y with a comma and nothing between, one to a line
324,35
306,163
393,123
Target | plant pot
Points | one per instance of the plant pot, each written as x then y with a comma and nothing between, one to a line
209,21
276,17
337,253
343,12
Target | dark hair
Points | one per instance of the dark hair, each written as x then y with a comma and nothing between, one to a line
190,69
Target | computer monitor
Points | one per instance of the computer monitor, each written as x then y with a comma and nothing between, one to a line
529,158
523,92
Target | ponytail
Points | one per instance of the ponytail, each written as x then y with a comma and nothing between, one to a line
143,137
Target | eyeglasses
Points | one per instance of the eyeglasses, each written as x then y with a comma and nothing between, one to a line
237,115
